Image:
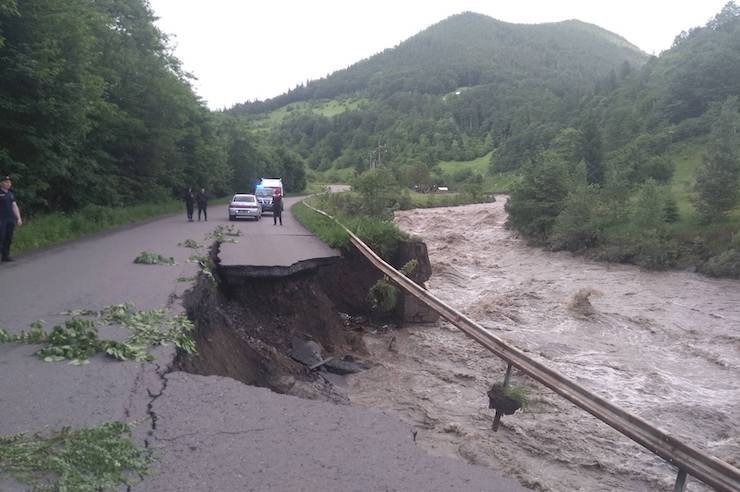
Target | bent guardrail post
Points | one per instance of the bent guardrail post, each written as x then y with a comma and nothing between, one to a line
497,416
709,469
680,485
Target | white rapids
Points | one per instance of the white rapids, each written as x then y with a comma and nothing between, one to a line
663,345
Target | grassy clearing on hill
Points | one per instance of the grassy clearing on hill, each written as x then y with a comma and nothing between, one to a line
491,183
327,108
334,176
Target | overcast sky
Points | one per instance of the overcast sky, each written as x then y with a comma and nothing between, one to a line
242,50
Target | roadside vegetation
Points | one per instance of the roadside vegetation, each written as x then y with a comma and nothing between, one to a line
45,230
86,460
368,210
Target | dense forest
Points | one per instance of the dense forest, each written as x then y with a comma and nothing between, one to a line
617,154
95,109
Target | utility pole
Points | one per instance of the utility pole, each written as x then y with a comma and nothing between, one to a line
376,156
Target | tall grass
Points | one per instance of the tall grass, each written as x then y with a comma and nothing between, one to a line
381,235
49,229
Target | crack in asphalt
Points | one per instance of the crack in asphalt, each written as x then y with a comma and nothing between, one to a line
150,406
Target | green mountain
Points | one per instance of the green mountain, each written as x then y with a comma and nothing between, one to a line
455,91
470,49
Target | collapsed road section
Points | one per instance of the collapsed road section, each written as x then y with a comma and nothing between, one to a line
292,328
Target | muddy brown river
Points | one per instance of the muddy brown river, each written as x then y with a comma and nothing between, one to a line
663,345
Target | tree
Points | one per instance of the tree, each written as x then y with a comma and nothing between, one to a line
293,171
593,151
538,199
379,189
417,175
717,182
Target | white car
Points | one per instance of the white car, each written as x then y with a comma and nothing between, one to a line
243,205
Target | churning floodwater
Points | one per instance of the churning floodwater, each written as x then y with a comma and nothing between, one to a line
662,345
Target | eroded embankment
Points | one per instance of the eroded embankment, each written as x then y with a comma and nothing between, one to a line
251,322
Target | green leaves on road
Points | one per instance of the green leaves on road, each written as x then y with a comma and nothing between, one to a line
87,459
225,234
189,243
78,339
148,258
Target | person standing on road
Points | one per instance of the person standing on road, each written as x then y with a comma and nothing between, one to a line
202,200
277,208
189,199
10,216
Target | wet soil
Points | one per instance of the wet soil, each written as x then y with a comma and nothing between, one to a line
252,325
663,345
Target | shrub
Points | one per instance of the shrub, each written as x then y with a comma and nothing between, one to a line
725,264
382,236
383,296
581,222
538,199
518,392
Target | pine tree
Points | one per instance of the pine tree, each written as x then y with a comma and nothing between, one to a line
717,181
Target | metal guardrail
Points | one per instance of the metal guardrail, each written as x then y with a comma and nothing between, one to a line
709,469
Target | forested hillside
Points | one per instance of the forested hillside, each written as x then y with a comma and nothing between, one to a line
649,172
94,109
455,91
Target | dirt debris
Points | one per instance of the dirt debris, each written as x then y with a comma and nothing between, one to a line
580,305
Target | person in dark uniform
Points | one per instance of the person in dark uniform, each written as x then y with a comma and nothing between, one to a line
277,208
189,199
10,216
202,200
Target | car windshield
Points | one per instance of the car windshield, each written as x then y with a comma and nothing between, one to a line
244,198
264,192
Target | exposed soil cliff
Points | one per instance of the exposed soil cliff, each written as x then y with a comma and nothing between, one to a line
249,323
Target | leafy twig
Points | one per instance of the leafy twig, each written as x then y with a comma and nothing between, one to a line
148,258
87,459
77,340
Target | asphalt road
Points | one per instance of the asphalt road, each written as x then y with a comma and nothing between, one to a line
211,433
